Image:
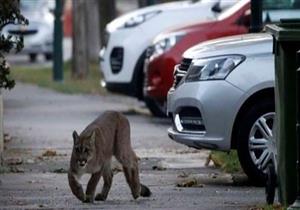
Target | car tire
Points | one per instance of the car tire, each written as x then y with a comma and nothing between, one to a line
48,56
156,108
32,57
255,140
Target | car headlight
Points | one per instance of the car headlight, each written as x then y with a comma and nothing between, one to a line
213,68
165,43
139,19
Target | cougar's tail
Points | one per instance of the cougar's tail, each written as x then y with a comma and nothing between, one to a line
145,191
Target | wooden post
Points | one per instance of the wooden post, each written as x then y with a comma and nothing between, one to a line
93,34
1,129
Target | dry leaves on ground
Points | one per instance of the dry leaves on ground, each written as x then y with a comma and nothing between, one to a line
49,153
191,182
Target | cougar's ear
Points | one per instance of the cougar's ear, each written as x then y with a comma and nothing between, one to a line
75,137
93,137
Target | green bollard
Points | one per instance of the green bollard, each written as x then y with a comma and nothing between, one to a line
57,45
296,204
286,43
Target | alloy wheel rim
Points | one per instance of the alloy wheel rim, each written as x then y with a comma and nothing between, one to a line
262,144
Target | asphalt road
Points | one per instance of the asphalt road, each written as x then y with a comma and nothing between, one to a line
40,122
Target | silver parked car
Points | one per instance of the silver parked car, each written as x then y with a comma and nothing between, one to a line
38,35
223,98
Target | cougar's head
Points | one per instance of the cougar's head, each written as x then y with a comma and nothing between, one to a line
84,148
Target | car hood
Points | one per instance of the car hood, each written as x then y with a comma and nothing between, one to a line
248,45
120,21
188,28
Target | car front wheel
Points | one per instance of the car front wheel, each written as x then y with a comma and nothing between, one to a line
157,109
48,56
256,143
32,57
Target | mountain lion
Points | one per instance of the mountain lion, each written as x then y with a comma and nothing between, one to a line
107,136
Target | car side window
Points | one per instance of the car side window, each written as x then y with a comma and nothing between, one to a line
281,4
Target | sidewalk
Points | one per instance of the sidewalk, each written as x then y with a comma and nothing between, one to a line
40,123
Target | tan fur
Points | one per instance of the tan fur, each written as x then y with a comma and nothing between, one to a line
107,136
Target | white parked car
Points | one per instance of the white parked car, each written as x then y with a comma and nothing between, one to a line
223,98
38,35
122,56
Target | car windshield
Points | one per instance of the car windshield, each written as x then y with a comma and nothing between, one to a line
281,4
30,5
227,13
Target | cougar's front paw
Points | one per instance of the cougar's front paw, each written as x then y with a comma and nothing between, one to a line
88,199
100,197
81,196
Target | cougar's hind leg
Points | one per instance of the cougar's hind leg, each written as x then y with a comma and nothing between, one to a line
126,156
131,172
91,187
107,179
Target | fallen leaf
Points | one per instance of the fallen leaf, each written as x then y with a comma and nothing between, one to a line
49,153
60,171
208,159
14,161
190,183
183,175
15,169
40,158
214,175
216,161
7,138
117,169
30,161
159,167
131,111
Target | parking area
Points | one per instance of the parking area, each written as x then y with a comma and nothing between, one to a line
40,122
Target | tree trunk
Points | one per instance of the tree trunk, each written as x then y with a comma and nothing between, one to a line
107,11
93,35
80,48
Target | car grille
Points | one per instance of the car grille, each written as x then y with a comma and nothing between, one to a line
23,32
116,59
180,70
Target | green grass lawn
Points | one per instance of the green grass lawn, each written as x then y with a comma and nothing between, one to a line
43,78
228,162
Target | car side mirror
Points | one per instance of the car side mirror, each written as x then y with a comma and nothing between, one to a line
216,8
51,10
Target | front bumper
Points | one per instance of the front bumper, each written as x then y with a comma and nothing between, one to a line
195,140
36,48
217,103
117,40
